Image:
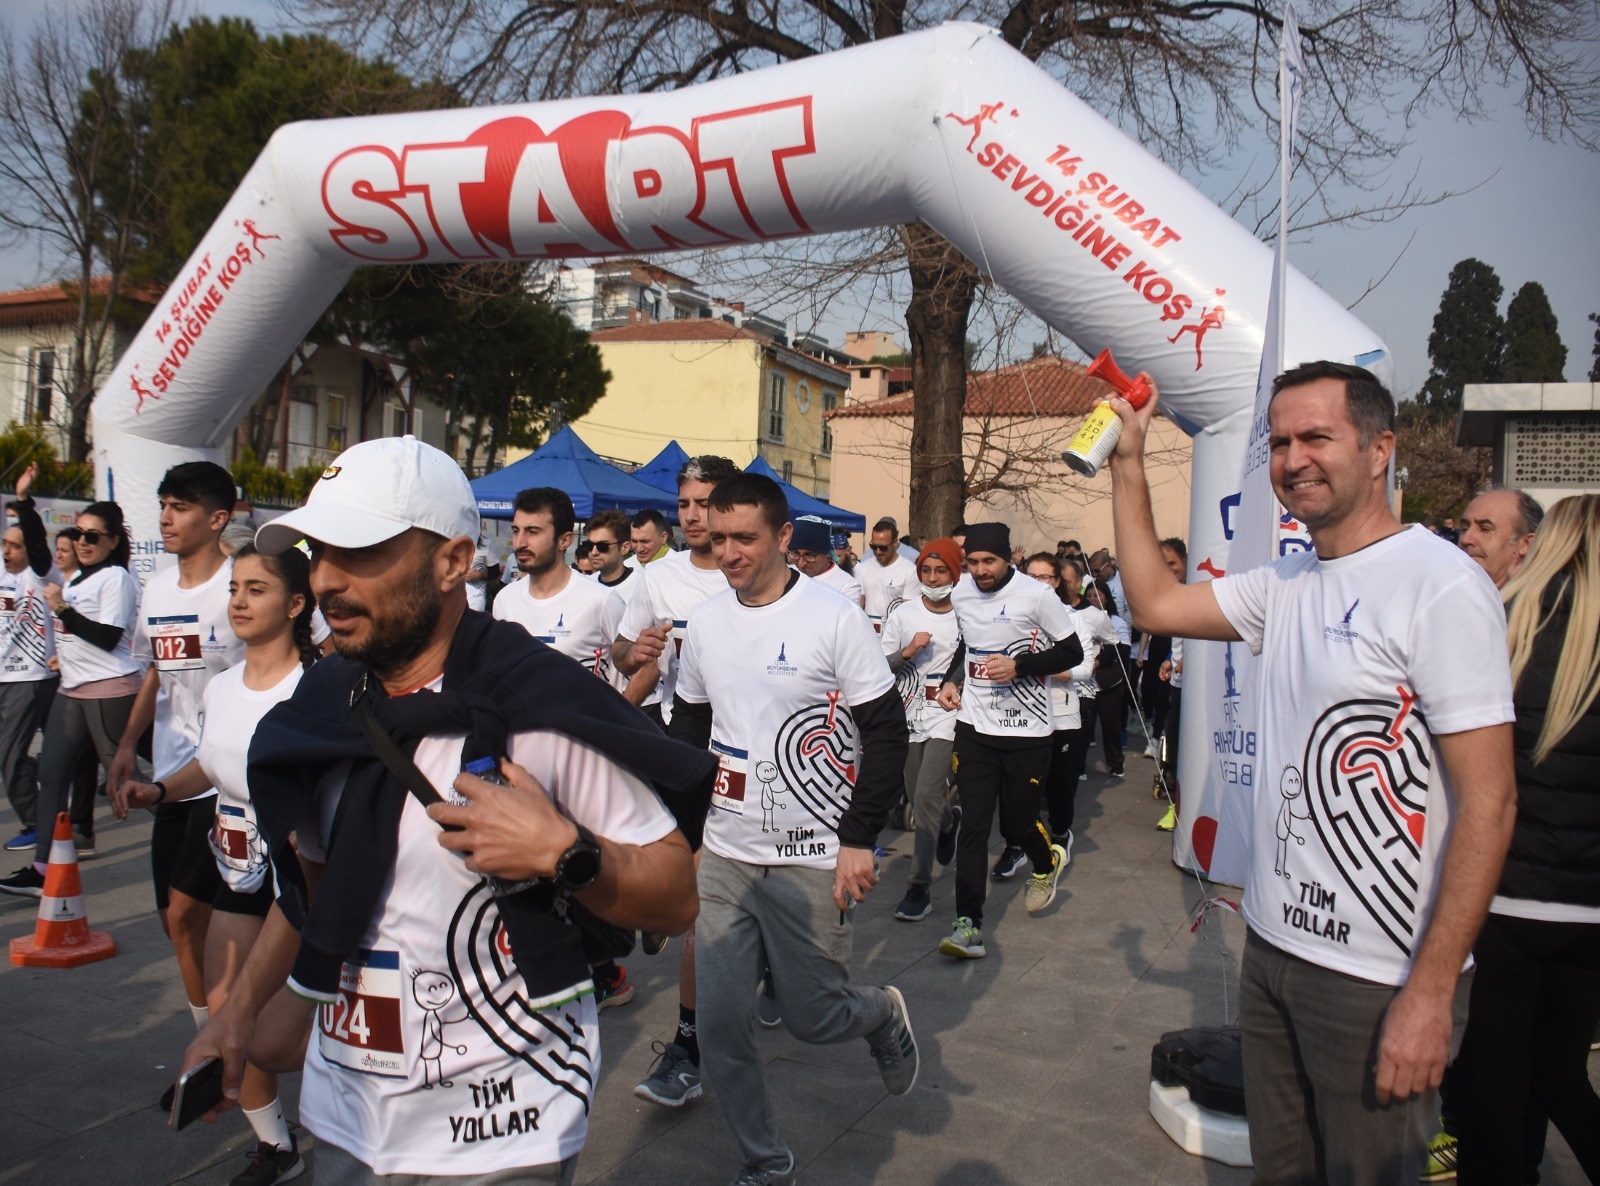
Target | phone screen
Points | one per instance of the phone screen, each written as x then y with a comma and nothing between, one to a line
198,1091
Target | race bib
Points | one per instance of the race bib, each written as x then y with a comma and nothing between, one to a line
175,643
728,791
978,668
680,627
231,837
360,1030
931,686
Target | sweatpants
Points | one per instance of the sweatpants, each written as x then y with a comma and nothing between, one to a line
24,707
927,777
74,727
1011,779
1111,704
782,916
1061,785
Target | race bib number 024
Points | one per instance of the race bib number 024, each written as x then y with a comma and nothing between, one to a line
360,1029
175,643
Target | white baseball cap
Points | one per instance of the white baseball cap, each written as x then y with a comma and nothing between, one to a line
375,490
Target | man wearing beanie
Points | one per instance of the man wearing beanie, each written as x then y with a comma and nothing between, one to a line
811,551
1015,634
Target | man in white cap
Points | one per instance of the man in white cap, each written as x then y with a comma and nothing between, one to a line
811,551
458,1031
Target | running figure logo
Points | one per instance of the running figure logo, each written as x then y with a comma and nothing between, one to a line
1367,766
989,113
141,392
257,237
1211,317
433,991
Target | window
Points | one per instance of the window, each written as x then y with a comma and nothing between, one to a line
397,421
336,423
830,401
776,390
788,472
41,384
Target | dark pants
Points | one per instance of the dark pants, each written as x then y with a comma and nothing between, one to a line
1011,780
1169,751
1535,1001
76,728
1111,705
1061,787
24,708
1310,1061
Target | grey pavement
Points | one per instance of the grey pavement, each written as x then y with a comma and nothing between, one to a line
1035,1061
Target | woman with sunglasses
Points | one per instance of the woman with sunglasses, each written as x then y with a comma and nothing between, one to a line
99,675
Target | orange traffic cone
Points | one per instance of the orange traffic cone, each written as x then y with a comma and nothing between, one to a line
62,938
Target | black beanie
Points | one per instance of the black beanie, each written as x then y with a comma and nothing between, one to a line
989,537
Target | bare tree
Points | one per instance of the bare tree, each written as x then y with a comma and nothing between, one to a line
71,131
1185,77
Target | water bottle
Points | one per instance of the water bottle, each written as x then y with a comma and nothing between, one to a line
488,769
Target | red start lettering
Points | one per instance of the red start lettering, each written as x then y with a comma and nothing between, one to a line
595,185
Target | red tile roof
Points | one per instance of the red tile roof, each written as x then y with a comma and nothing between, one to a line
684,329
59,300
1046,386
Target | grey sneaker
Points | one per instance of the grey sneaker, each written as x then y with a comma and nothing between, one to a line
758,1176
897,1054
270,1164
767,1007
673,1081
1041,889
965,942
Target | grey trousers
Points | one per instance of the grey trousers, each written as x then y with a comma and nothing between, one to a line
927,776
74,727
335,1167
23,708
1310,1057
753,916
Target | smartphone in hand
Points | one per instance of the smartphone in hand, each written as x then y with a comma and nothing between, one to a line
198,1090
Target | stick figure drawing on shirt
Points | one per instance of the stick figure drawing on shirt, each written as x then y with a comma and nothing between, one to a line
1295,807
433,991
768,775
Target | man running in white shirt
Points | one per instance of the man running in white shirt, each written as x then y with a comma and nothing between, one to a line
885,576
786,683
1016,632
811,551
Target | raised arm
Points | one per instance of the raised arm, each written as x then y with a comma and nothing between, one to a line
1157,601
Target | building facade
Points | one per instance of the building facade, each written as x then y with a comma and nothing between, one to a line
1545,436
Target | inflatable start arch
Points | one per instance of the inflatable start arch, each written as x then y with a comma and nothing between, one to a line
950,127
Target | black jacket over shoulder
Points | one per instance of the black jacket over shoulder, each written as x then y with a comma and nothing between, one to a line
1555,849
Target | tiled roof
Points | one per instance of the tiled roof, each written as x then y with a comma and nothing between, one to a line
1046,386
685,329
59,300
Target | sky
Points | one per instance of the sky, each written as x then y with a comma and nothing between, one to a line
1533,213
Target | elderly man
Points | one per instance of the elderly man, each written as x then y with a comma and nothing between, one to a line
1498,530
444,918
1385,753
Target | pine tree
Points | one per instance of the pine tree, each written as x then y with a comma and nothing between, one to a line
1534,352
1468,337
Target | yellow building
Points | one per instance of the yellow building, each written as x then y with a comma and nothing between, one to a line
715,388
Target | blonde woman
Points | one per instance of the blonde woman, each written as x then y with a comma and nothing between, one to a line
1536,994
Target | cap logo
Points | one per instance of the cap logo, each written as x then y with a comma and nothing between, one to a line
331,472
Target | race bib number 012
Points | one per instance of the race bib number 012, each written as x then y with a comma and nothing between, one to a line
175,643
727,792
360,1029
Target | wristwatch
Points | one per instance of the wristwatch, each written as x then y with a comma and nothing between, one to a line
579,867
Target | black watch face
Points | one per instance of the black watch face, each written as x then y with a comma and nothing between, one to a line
581,865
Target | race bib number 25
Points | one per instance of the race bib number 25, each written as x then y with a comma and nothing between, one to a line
727,792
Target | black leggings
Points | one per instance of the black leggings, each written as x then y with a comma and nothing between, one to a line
1535,1001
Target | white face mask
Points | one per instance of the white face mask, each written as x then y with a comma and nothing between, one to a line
939,594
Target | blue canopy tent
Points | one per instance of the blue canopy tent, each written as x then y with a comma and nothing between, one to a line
568,464
801,503
661,471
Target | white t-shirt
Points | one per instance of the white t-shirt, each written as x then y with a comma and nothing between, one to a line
627,588
884,586
1094,631
842,582
436,1001
1021,617
672,588
920,679
27,627
1368,658
781,679
478,591
187,634
232,711
110,596
581,621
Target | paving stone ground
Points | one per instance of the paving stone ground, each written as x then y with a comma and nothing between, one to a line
1035,1061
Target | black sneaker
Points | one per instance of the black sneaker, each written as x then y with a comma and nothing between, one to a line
26,882
269,1164
1011,859
84,844
946,850
653,942
915,906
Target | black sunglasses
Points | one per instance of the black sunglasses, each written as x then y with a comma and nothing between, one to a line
601,545
881,547
92,538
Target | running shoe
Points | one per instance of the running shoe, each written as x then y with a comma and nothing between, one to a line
1150,751
965,941
23,840
767,1011
1064,841
1117,773
1441,1165
1169,821
897,1052
674,1080
754,1175
26,882
915,906
617,991
653,942
84,845
269,1164
945,852
1041,890
1011,859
